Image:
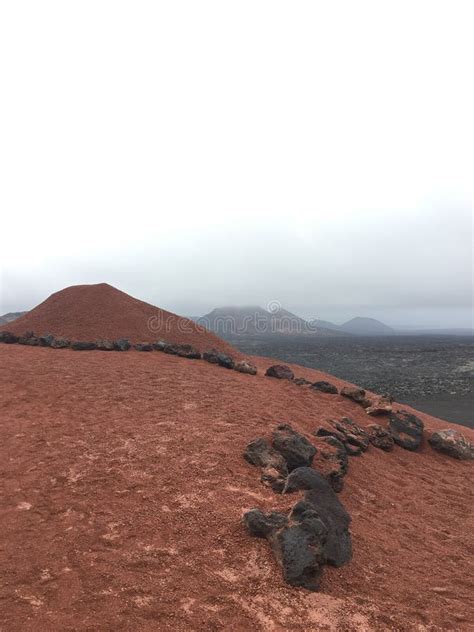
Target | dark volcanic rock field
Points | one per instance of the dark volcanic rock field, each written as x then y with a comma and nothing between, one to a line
432,373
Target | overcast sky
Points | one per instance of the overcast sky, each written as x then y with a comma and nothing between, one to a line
196,154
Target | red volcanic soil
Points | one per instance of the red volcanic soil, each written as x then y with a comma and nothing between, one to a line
91,312
124,488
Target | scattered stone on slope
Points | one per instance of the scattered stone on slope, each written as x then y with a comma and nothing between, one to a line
380,437
160,345
188,351
261,525
261,453
216,357
320,496
79,345
301,381
46,341
122,344
244,366
382,406
452,443
297,542
271,477
293,446
105,345
354,434
60,343
143,346
406,429
8,338
325,387
331,461
280,371
356,394
29,339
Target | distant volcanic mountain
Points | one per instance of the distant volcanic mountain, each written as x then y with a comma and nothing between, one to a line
366,327
92,312
254,320
359,326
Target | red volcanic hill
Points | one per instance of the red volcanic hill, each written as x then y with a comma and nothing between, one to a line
92,312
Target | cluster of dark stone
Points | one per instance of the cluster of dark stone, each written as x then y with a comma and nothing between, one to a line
182,350
316,530
404,428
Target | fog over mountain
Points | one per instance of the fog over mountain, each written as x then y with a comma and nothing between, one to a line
330,174
411,269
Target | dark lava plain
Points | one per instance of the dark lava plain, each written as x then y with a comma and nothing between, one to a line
432,373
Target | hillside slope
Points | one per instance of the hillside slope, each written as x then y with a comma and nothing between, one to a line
91,312
124,489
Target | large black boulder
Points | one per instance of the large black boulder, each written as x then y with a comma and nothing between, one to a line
297,541
280,371
300,548
324,387
406,429
293,446
321,497
80,345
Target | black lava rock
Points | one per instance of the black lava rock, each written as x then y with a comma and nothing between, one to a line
160,345
26,339
216,357
354,434
280,371
188,351
297,542
262,525
122,345
80,345
406,429
105,345
8,338
60,343
293,446
325,387
300,550
379,437
321,497
143,346
261,453
46,341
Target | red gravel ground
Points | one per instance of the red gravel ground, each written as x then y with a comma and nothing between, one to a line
123,488
91,312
